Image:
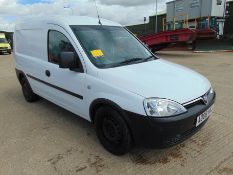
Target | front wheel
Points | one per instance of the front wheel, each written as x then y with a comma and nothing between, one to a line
112,131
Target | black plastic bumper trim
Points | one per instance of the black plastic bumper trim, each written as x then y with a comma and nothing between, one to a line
154,132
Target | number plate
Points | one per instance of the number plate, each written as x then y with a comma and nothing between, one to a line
204,116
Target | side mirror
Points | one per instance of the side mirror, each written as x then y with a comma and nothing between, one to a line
67,60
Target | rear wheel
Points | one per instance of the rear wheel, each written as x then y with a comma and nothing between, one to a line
28,94
112,131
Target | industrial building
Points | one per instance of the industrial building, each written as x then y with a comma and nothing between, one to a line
193,9
196,14
192,14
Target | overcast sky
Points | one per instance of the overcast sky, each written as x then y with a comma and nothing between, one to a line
126,12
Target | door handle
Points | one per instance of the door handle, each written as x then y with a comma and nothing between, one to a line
47,73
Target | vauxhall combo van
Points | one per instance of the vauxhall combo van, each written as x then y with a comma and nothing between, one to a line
101,72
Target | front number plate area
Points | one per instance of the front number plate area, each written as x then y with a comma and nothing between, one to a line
204,116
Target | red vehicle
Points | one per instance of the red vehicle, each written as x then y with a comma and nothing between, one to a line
160,40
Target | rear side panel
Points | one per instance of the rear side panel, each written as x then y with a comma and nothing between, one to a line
31,42
30,53
30,49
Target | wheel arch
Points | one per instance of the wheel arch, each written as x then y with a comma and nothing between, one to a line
104,102
20,74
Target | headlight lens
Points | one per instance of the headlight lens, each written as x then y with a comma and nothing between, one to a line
157,107
211,90
9,47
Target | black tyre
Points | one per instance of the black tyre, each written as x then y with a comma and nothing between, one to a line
112,131
9,52
28,94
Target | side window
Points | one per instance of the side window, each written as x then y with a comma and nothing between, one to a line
57,43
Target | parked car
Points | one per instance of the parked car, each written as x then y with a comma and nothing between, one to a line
104,74
4,45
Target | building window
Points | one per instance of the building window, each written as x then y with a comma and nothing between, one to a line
194,3
219,2
179,7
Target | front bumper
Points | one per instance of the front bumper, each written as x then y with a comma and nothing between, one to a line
154,132
5,50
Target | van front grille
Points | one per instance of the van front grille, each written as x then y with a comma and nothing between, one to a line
198,101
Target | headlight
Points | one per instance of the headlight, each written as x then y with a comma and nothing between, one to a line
162,107
9,47
211,90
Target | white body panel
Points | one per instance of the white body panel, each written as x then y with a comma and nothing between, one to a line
158,78
127,86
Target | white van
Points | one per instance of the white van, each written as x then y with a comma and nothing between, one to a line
104,74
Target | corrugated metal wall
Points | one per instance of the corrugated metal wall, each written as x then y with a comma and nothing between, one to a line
193,8
206,8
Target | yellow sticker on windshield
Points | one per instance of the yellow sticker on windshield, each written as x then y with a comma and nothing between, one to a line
97,53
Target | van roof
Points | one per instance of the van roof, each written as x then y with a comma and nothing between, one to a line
38,22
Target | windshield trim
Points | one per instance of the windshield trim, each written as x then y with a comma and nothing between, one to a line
114,65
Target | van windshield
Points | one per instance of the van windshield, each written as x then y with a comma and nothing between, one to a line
3,40
109,46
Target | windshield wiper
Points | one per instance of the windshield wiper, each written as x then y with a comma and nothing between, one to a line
131,60
137,60
149,58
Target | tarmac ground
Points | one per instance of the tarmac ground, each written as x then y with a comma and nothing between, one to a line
42,138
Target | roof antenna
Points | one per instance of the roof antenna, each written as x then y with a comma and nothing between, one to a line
97,12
